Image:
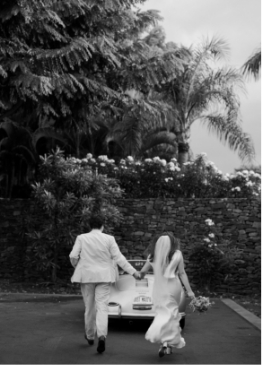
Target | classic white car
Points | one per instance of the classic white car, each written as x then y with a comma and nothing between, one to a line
131,298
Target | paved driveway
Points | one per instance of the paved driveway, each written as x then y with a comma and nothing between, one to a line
39,329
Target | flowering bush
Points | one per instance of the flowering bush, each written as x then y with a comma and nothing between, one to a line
68,193
213,258
200,304
151,178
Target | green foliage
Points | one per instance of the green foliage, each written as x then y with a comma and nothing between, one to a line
18,156
253,65
68,195
203,92
152,178
213,259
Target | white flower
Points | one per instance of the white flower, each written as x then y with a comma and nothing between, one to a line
206,239
163,162
211,235
178,169
174,160
130,159
148,160
214,244
187,163
111,161
89,155
122,162
92,160
168,178
171,166
209,222
156,159
102,158
225,178
138,163
249,183
84,160
237,188
210,245
102,164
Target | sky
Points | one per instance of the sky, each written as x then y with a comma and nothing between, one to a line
187,22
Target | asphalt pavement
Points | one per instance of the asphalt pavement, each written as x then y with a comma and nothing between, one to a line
49,329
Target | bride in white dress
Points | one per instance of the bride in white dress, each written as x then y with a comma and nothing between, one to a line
168,264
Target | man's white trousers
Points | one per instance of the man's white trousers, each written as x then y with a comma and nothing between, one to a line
96,298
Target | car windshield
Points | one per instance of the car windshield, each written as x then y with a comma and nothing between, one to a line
137,264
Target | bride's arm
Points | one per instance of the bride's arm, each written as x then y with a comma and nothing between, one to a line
145,269
183,276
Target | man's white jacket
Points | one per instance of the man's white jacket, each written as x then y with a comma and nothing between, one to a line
97,253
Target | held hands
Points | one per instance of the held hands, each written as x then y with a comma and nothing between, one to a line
137,275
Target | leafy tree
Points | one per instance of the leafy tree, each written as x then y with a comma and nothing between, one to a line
18,154
73,61
66,196
160,63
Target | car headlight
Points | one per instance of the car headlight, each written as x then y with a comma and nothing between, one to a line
114,308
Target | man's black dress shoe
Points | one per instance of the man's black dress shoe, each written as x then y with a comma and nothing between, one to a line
101,344
91,342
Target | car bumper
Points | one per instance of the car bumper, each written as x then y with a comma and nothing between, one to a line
142,315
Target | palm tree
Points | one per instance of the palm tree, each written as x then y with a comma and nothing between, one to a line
252,65
203,92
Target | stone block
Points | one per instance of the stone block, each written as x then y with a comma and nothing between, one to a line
139,233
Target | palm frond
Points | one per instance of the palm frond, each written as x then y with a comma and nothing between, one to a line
230,132
162,137
214,48
47,132
253,65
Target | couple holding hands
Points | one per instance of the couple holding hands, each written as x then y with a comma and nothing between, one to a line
93,257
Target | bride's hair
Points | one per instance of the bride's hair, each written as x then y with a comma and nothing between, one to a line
174,245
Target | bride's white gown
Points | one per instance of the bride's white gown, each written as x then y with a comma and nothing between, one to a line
165,326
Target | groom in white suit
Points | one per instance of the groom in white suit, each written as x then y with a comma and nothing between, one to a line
93,257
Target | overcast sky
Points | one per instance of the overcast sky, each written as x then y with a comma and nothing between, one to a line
238,22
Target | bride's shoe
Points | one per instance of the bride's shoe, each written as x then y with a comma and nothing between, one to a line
163,350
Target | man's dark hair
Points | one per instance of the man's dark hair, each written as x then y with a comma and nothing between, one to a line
96,221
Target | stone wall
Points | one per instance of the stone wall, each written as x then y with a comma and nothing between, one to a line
239,220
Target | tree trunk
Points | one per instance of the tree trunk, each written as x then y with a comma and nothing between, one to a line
183,153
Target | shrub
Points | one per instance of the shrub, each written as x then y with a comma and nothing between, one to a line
68,195
152,178
213,258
